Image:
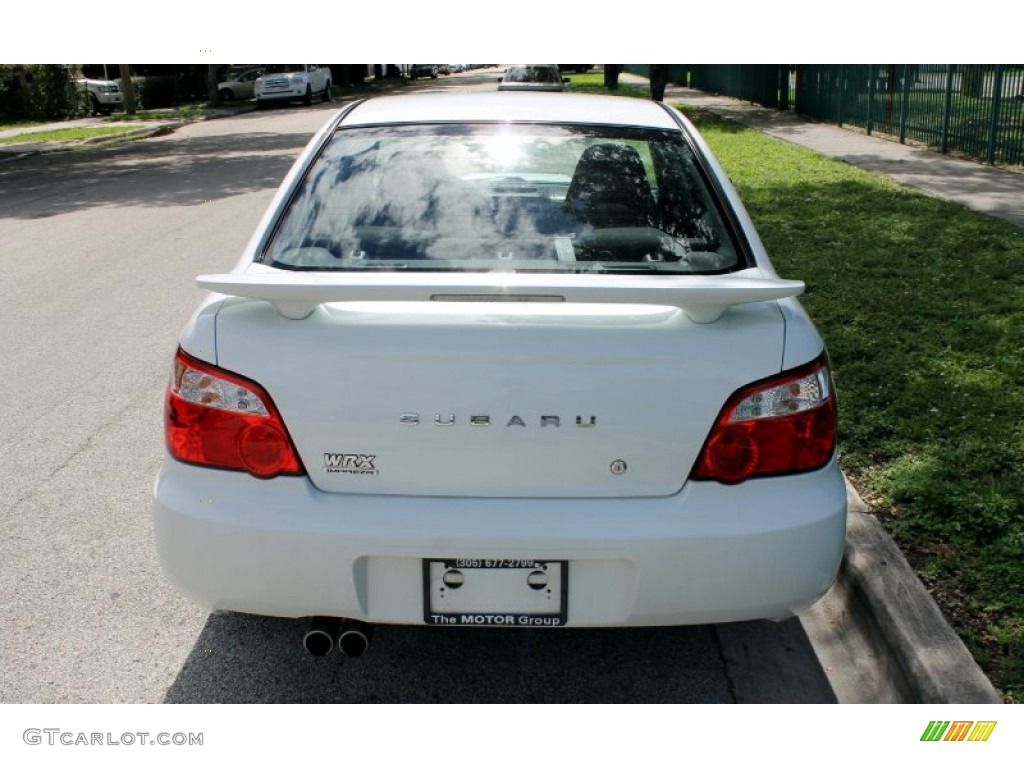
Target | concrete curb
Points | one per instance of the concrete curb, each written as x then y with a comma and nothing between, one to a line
880,622
144,132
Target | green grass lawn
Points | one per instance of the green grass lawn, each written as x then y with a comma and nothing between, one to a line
66,134
921,303
594,83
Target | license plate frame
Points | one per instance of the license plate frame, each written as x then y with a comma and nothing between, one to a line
526,604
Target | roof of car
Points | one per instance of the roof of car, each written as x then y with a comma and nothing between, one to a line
514,107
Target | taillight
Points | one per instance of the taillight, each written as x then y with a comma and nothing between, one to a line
781,425
219,419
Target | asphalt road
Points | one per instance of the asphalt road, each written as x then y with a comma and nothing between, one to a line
100,249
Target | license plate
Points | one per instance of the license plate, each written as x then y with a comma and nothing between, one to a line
495,592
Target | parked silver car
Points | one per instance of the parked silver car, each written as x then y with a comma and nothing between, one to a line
424,70
240,86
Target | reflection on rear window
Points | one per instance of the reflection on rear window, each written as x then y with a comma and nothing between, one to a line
504,197
533,75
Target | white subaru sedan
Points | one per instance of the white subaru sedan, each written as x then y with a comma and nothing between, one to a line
502,360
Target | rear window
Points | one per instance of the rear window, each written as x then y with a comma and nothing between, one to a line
508,197
533,75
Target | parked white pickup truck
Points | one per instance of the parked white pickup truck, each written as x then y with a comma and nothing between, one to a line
289,82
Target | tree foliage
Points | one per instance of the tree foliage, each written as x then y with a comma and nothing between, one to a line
38,91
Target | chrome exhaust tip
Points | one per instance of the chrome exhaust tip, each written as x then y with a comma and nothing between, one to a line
354,638
320,637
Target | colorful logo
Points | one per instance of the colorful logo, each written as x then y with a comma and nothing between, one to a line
958,730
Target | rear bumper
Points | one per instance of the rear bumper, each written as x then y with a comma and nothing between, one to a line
711,553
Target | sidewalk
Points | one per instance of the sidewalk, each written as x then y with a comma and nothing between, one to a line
981,188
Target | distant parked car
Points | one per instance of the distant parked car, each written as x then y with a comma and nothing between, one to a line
100,97
533,77
424,70
288,82
239,86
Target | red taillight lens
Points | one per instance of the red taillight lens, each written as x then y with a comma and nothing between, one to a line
219,419
782,425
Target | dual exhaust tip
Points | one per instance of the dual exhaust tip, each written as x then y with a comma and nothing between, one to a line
325,632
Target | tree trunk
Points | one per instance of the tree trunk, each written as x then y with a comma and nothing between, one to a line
611,76
21,82
659,79
127,89
212,81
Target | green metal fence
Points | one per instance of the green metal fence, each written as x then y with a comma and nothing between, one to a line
760,83
972,109
766,84
677,73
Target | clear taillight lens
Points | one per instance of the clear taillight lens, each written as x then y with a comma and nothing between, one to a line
778,426
218,419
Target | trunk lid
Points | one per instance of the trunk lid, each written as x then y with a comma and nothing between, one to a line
526,399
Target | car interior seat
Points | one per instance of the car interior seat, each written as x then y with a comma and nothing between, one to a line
609,188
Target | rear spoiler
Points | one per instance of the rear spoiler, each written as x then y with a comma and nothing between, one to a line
702,297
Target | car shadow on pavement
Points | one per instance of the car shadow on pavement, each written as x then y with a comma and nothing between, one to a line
240,658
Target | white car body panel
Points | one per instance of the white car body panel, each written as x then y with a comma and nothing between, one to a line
199,338
802,341
343,380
